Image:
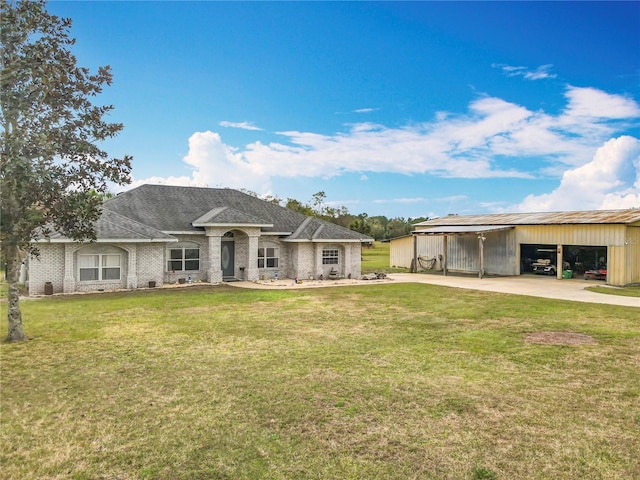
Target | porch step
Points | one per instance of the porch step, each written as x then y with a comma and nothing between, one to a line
230,279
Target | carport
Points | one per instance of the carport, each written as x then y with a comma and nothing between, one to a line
478,231
603,242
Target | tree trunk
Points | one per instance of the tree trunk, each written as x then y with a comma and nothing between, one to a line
16,334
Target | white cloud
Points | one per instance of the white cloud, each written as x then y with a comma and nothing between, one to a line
494,138
452,198
180,181
365,110
539,73
611,180
593,103
242,125
218,164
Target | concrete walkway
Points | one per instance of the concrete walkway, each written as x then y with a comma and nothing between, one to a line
533,285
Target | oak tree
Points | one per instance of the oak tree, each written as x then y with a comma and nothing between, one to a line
52,158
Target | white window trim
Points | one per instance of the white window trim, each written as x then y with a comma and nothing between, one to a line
265,258
182,259
100,266
326,258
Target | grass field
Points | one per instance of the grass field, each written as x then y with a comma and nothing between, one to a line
629,291
376,259
393,381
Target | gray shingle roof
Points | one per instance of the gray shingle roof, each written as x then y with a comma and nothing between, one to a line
317,229
175,209
227,215
113,226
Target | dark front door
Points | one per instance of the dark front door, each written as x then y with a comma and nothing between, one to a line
226,259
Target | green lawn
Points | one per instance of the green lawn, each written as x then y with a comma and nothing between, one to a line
632,291
376,259
393,381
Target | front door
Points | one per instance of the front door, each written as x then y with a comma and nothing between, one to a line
227,259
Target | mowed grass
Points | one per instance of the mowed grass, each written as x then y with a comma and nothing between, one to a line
375,259
393,381
628,291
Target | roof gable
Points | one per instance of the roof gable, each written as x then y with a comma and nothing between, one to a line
173,209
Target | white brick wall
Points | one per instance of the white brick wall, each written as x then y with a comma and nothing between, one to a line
150,263
200,275
304,260
145,262
49,267
284,267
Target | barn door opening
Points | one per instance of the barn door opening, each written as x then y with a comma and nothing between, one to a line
539,259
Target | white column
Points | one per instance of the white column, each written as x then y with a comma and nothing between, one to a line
251,270
214,275
132,266
346,269
318,259
69,282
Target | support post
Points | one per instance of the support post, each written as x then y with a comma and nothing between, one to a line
415,253
559,262
444,255
481,251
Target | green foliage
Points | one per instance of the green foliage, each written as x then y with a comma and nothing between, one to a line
378,227
51,163
53,171
360,225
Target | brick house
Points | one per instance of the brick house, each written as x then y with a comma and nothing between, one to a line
159,233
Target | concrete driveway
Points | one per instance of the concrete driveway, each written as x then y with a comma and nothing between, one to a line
533,285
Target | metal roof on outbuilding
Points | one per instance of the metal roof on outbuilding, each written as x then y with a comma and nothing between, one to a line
628,216
462,229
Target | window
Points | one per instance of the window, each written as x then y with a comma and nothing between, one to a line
184,259
101,266
268,257
330,256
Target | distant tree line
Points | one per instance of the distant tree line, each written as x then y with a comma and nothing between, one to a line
379,227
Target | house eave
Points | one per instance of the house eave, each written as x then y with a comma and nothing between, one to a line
108,240
325,240
233,225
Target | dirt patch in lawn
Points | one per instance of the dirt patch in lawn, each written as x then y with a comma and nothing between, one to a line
559,338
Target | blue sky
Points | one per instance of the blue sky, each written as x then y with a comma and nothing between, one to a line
397,109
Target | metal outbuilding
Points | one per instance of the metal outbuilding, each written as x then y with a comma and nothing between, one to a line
602,243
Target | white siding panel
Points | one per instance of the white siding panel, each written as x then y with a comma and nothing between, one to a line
588,235
401,252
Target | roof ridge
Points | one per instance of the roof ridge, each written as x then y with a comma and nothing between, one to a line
130,220
301,227
318,231
211,214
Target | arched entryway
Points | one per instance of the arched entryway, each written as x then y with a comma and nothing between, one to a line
228,256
